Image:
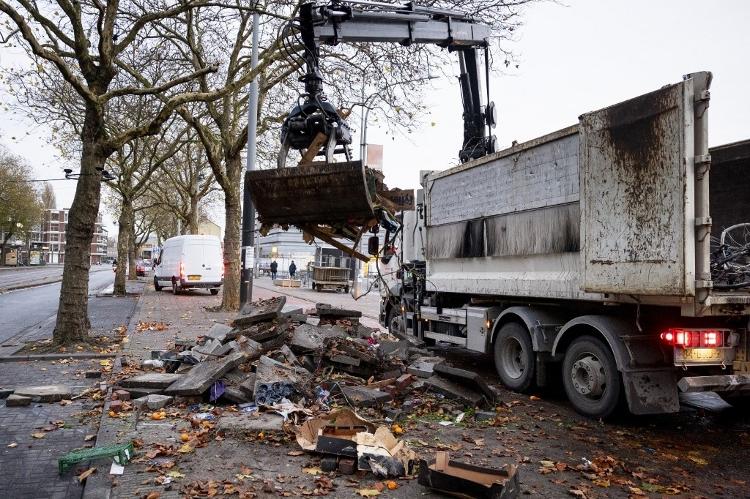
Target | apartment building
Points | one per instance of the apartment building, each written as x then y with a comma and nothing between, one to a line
50,238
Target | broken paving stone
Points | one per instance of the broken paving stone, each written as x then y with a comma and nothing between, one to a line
452,390
150,380
4,392
259,311
198,379
235,395
14,400
307,337
424,366
359,396
469,378
485,416
288,311
45,393
153,402
250,422
347,466
136,392
93,374
248,386
115,406
221,332
327,311
120,395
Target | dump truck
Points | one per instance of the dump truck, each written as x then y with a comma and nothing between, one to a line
599,254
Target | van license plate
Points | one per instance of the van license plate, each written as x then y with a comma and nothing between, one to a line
194,278
682,355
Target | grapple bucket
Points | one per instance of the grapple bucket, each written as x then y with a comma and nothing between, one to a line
331,194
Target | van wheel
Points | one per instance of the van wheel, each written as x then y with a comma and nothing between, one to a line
214,291
590,376
175,287
514,357
157,287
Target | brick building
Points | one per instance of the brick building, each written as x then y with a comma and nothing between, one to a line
51,235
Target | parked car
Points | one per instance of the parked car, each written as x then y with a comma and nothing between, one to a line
189,262
142,267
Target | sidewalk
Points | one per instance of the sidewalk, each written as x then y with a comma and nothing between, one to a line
33,438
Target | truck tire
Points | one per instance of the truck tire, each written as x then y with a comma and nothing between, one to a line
590,377
214,291
514,357
157,287
395,322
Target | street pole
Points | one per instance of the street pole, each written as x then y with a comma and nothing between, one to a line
248,210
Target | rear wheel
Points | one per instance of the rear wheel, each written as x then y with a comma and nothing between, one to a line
175,287
214,291
394,321
514,357
590,376
157,287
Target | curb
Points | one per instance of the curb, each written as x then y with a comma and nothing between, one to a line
97,486
56,356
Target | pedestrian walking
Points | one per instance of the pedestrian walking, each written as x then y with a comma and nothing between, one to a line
292,270
274,269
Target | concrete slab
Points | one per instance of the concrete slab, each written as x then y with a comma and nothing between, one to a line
326,310
259,311
307,337
423,366
17,401
202,376
4,392
250,423
151,380
468,378
454,391
45,393
153,402
359,396
220,332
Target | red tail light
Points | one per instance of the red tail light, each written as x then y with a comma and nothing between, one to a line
694,338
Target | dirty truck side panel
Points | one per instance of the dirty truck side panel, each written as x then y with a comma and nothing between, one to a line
634,185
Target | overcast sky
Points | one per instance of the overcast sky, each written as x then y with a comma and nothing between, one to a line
573,58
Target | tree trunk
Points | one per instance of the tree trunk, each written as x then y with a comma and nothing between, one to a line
231,293
132,274
72,313
193,218
122,252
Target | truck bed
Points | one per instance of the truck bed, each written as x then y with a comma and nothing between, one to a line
610,209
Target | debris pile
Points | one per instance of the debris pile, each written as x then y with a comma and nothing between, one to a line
319,375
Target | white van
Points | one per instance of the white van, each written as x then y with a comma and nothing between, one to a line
188,262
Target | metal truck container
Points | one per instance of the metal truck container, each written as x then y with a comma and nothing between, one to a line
595,240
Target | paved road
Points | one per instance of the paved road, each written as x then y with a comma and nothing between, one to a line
26,308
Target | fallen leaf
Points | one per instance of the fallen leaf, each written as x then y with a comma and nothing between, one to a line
153,495
391,485
698,460
636,491
185,449
295,453
12,445
577,493
83,476
38,435
175,474
312,470
368,492
534,398
89,438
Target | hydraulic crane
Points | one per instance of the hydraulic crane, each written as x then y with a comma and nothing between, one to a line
337,197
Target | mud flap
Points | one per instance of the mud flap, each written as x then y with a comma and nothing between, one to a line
337,193
651,392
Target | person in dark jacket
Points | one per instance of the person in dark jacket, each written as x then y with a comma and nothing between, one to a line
292,269
274,269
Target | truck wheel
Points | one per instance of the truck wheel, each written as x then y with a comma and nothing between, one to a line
175,287
514,357
395,322
214,291
156,285
590,376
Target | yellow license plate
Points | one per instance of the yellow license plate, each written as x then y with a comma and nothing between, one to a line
698,355
194,278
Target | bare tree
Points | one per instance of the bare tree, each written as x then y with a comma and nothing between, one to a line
90,47
20,203
49,201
